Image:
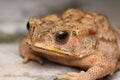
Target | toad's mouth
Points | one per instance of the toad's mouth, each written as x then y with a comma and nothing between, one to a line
50,51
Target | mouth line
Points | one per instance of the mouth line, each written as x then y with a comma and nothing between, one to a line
44,50
50,50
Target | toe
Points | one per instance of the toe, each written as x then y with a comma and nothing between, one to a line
26,60
62,77
73,74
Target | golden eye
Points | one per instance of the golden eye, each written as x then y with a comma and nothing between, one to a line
62,36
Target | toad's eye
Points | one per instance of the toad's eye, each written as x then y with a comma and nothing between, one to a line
62,36
28,25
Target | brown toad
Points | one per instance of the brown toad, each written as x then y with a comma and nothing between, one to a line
75,38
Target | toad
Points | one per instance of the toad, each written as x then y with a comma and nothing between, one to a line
75,38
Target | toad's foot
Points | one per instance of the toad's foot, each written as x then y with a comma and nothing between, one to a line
73,76
27,53
31,56
97,70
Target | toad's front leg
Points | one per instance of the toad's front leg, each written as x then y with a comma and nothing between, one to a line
27,53
98,68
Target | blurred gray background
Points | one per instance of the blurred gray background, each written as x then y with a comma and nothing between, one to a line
14,15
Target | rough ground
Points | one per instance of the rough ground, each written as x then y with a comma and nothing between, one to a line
12,68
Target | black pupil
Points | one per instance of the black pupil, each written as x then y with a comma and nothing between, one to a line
28,26
62,35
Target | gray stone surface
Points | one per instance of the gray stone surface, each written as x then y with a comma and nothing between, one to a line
12,68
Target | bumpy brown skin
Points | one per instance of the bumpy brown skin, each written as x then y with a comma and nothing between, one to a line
91,43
